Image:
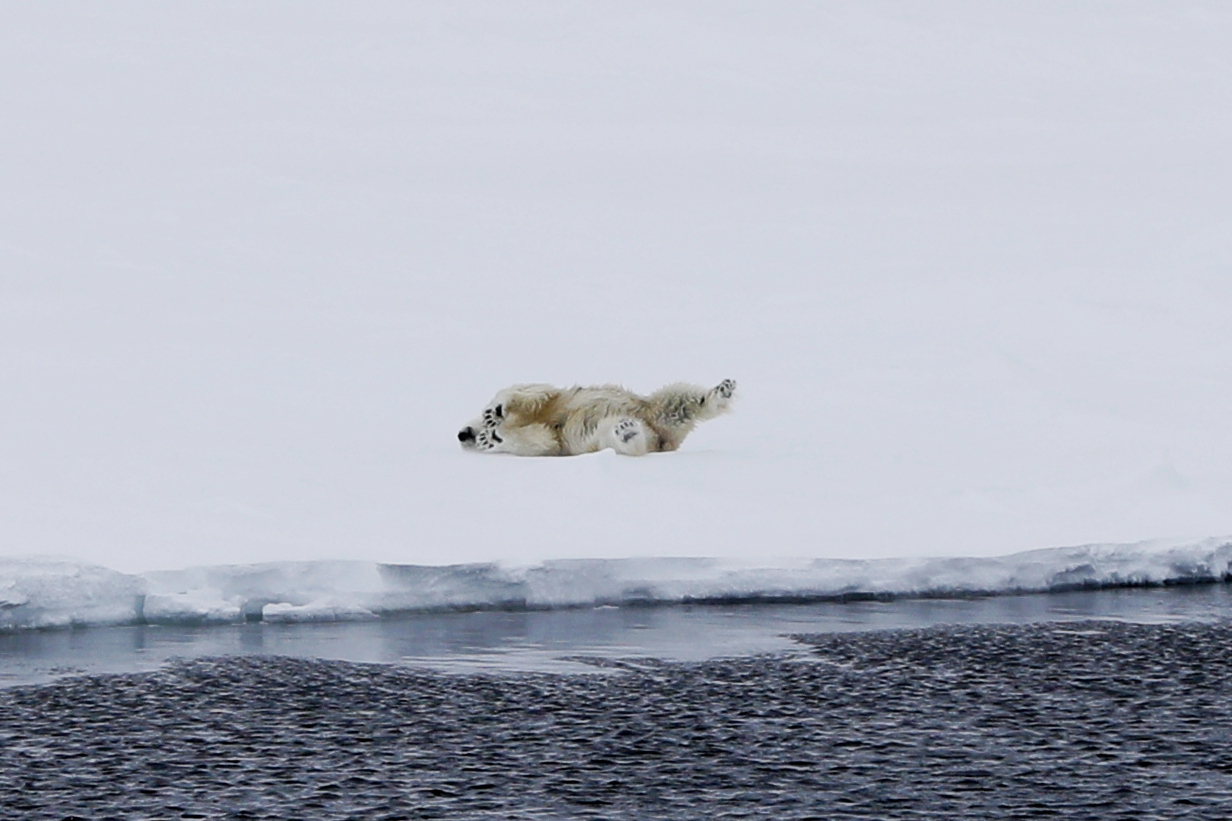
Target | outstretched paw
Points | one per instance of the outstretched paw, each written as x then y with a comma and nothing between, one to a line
726,388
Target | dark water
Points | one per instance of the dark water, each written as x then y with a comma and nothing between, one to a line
1077,719
546,641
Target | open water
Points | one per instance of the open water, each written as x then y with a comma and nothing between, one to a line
1095,706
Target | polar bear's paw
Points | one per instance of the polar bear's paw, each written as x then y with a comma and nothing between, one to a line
487,439
630,437
493,416
726,388
626,430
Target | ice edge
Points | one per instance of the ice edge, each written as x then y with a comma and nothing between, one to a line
55,593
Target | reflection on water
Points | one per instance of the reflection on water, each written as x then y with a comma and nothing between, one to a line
546,641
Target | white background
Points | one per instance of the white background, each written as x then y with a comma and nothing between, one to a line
971,264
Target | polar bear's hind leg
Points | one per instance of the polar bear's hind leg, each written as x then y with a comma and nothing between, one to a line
678,408
630,436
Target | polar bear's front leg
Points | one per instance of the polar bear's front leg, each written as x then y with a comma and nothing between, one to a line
630,436
522,402
528,440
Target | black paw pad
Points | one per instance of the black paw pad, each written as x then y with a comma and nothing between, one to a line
492,417
626,430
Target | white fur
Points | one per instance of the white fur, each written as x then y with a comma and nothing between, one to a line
540,420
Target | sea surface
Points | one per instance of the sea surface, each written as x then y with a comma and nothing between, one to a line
514,641
1098,705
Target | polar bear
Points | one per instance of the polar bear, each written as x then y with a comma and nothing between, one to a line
540,420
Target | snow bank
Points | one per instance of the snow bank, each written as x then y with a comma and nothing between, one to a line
47,593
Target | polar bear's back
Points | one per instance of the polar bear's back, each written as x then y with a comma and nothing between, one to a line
570,418
606,400
581,411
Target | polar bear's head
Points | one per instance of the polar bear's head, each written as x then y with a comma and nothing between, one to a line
509,423
481,432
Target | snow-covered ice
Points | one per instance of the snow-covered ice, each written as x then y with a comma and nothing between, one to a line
40,592
971,266
37,593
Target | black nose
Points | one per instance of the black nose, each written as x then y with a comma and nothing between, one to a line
467,434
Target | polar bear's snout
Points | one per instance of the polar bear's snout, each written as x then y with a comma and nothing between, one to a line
480,434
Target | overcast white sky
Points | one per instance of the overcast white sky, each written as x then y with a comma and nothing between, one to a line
970,263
